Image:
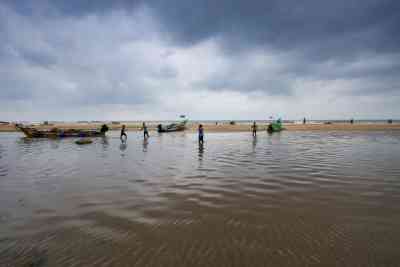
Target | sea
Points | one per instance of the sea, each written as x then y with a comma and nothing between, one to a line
284,199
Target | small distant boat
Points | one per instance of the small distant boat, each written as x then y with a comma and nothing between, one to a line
173,127
32,132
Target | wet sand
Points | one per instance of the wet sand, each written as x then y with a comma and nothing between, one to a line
225,127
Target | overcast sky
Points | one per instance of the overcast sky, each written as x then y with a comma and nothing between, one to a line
225,59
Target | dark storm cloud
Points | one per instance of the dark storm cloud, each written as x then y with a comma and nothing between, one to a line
322,29
284,23
104,52
317,30
73,62
71,8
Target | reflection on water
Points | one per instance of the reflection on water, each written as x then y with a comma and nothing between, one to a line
145,143
288,199
123,146
104,141
201,151
254,143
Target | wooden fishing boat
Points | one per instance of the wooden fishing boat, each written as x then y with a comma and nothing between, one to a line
60,133
173,127
275,127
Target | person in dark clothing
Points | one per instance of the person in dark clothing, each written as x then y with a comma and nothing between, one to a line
270,129
304,121
123,134
254,128
145,131
351,121
201,134
104,128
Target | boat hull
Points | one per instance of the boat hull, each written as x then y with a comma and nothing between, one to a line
171,128
35,133
274,127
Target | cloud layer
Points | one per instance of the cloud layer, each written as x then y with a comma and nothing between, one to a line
134,60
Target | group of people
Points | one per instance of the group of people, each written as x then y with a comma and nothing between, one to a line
124,136
146,135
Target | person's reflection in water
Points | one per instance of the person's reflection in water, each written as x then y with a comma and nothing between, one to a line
254,143
54,144
145,143
104,142
123,147
201,152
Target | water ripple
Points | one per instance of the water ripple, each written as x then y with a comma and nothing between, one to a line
291,199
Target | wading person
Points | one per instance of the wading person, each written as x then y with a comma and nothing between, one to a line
254,128
123,135
104,129
201,135
145,131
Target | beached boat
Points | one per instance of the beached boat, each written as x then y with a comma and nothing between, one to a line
275,127
60,133
173,127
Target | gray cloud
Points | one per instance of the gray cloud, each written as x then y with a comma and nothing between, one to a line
132,56
339,25
334,27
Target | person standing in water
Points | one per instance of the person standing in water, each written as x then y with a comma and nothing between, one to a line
145,131
254,129
123,134
201,135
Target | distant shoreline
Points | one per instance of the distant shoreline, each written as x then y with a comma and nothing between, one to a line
226,127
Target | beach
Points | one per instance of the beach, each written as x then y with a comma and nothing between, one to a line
224,127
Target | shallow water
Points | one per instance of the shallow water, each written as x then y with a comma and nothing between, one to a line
288,199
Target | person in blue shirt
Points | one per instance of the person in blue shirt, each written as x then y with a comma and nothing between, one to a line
145,131
201,134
